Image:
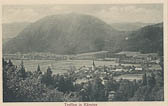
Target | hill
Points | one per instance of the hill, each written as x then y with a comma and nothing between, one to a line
147,39
77,33
11,30
62,34
129,26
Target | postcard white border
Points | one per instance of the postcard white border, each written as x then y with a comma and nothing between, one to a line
129,103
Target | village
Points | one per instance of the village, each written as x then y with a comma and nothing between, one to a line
130,65
124,70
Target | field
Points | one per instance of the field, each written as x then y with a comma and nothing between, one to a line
59,66
64,65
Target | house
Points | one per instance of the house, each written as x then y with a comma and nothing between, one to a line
138,68
119,69
80,81
111,95
155,67
104,81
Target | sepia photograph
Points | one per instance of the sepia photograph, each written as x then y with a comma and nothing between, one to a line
83,53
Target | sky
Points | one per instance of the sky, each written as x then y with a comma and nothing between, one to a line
110,13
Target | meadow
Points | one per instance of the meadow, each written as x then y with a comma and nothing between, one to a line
60,66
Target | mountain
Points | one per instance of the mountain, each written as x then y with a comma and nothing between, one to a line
129,26
11,30
147,39
63,34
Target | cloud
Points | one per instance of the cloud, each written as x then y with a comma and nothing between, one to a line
59,10
31,14
110,14
19,15
130,14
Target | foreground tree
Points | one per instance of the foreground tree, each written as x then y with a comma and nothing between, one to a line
22,72
47,78
98,91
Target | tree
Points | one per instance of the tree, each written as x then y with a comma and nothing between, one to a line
4,62
54,96
36,73
17,89
126,90
10,63
47,78
141,94
61,84
144,80
38,69
151,80
10,83
72,97
49,72
97,90
21,71
161,63
111,85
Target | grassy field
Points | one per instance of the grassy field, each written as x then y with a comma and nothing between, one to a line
59,66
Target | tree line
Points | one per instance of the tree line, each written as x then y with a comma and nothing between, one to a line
20,85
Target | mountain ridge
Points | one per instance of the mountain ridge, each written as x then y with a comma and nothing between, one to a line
78,33
62,34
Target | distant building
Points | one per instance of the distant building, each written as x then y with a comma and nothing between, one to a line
119,69
111,95
155,67
138,68
104,81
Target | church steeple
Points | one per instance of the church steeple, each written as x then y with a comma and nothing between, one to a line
93,65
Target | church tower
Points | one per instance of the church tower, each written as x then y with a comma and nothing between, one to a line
93,66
